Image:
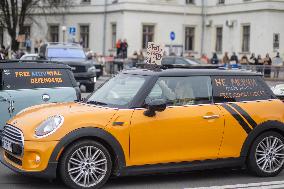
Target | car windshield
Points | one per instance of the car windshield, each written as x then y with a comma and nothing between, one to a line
118,91
65,53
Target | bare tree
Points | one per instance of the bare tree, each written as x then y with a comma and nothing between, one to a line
14,13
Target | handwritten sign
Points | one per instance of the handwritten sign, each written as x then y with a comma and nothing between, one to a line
236,88
35,78
155,53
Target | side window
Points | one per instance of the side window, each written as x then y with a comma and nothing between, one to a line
180,91
14,79
180,61
167,61
240,88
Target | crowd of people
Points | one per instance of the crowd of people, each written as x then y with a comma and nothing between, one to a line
262,64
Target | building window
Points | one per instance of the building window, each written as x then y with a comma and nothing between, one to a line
276,41
189,38
54,33
1,36
219,39
113,35
84,36
189,1
148,35
246,39
221,1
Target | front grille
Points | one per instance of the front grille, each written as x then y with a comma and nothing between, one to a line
13,134
79,69
13,159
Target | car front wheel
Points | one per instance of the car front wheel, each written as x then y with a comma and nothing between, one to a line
87,164
266,156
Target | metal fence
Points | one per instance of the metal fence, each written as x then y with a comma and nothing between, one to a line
274,73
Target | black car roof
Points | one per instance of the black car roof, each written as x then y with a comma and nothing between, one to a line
189,72
25,65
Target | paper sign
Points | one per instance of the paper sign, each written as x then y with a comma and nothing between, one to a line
155,53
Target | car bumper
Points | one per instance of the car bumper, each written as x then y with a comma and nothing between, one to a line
48,173
34,162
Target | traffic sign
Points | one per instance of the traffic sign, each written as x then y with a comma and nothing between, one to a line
72,30
172,36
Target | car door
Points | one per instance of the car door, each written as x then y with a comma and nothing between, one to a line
189,129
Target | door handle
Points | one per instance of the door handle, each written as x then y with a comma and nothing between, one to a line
211,117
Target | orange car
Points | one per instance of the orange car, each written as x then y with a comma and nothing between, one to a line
151,121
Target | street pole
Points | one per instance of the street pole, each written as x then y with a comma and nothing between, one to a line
203,26
104,29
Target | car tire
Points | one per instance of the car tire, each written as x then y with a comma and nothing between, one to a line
266,156
90,87
86,164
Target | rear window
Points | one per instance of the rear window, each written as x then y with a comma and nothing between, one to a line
35,78
65,53
240,88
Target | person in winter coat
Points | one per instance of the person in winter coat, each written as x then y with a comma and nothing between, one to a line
124,48
118,48
214,59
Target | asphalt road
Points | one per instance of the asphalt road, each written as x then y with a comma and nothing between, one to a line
213,179
194,179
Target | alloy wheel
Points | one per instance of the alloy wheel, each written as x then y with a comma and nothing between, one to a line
269,154
87,166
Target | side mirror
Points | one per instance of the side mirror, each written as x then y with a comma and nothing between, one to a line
154,106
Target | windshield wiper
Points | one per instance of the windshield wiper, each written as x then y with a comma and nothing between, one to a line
96,103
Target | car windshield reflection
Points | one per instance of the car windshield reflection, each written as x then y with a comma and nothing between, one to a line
118,91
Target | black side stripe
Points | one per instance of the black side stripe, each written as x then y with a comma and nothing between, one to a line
235,114
245,115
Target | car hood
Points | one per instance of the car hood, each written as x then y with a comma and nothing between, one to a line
76,115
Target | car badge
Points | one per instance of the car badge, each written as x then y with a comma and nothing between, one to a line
45,97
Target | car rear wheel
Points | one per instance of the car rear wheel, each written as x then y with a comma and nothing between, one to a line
266,156
87,164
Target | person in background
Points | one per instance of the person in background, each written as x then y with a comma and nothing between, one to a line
36,48
124,47
252,59
277,62
42,49
28,44
259,64
204,58
118,48
214,59
226,60
135,58
234,58
244,60
141,57
267,65
2,55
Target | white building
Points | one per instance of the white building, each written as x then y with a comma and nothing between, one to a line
200,26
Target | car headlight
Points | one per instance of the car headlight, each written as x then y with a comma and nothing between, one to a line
49,126
92,69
